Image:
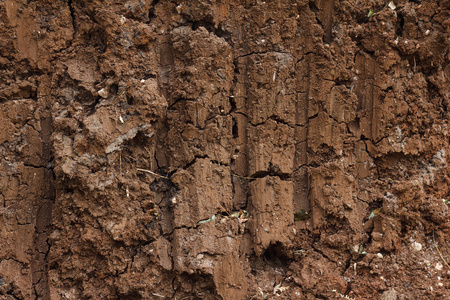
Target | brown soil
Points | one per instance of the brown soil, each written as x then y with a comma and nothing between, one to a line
136,133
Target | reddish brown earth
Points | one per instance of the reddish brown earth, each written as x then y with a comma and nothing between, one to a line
127,125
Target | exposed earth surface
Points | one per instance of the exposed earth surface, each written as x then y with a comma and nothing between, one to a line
234,149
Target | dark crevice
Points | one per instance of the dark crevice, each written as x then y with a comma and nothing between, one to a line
91,108
72,16
194,161
149,76
232,104
326,13
346,83
242,114
235,129
313,7
300,126
262,53
39,267
298,168
400,24
114,89
216,162
173,286
275,118
276,254
313,116
262,174
209,25
306,54
151,11
321,253
130,100
171,106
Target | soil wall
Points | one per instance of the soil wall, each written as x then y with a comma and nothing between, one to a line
235,149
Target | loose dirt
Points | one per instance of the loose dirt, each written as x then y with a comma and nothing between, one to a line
235,149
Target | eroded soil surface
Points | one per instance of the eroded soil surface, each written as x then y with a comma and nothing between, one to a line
235,149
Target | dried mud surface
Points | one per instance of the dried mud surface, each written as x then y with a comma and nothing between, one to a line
135,134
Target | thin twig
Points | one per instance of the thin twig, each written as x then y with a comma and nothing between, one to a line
440,254
118,95
149,153
153,173
120,162
127,159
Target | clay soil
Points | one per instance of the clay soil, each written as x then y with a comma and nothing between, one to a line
224,149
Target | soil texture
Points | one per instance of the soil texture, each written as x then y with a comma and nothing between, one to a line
224,149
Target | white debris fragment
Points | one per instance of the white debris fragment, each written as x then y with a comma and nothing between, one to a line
121,119
179,8
379,255
439,158
278,289
427,32
417,246
392,5
103,93
439,266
